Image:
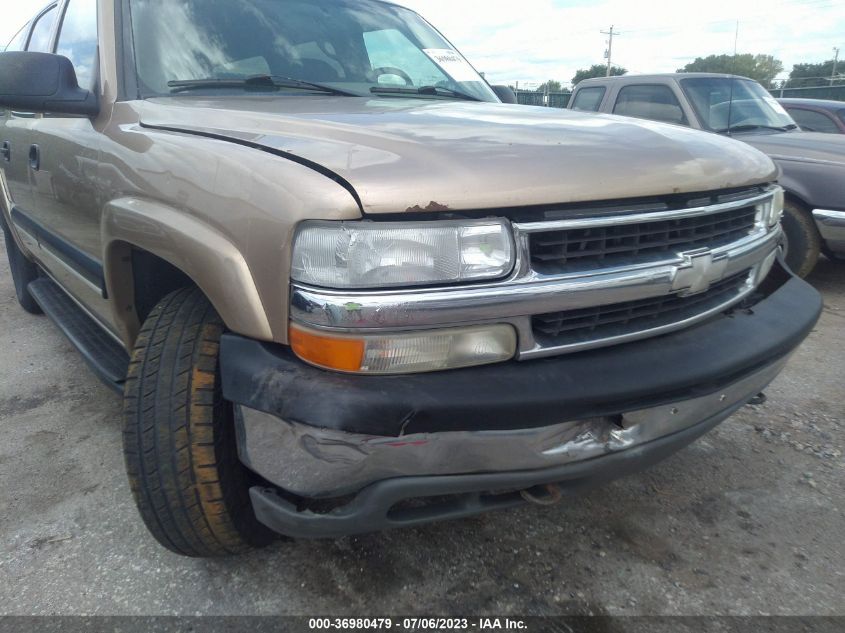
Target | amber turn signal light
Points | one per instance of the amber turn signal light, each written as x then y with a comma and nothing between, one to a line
405,352
331,352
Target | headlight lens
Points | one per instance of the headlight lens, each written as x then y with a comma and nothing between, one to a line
405,352
394,254
773,210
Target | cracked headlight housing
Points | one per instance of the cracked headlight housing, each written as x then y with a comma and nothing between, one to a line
773,209
361,255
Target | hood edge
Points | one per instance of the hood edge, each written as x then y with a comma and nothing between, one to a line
317,167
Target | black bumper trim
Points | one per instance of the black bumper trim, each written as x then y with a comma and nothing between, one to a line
372,509
529,394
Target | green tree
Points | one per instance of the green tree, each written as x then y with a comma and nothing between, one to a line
762,68
808,75
597,70
551,85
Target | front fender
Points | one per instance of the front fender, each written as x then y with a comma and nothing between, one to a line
205,255
819,185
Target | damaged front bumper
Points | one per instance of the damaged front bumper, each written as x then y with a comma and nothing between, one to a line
352,454
416,500
320,463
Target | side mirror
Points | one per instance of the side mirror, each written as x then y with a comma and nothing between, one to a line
505,94
41,82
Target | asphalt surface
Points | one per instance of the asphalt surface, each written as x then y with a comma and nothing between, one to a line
749,520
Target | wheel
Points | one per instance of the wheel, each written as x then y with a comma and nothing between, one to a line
179,435
802,242
23,272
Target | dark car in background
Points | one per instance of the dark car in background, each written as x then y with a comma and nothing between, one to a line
812,164
817,115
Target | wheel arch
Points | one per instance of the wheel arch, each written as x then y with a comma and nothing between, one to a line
796,197
800,200
795,187
150,247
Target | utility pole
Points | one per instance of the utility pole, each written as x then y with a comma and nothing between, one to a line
609,52
835,63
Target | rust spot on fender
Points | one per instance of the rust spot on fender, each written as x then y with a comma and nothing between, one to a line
432,206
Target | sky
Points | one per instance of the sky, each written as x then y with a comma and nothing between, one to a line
530,41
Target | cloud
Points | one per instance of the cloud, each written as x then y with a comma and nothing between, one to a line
14,15
535,40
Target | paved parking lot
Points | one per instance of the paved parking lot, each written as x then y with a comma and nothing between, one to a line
749,520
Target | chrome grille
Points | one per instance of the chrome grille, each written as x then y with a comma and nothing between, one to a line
586,278
600,246
572,327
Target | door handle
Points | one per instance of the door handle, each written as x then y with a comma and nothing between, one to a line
34,157
6,151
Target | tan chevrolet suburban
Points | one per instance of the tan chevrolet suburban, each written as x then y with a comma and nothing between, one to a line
343,288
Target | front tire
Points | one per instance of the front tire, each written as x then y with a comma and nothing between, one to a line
179,436
23,272
803,243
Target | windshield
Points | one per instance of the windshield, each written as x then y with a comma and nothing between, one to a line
352,46
752,105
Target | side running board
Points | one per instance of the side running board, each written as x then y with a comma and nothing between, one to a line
103,354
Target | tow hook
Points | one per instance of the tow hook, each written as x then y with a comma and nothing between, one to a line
552,495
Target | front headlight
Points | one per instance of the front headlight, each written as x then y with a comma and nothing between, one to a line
393,254
773,210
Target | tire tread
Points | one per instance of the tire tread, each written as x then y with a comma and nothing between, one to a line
179,443
805,242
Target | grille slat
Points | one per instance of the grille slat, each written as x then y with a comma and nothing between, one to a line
589,324
596,247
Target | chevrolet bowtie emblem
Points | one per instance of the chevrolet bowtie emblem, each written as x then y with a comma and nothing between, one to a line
698,272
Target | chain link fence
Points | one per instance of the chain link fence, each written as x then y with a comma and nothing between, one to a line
836,93
551,100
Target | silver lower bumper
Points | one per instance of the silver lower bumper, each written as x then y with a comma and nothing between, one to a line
314,462
832,228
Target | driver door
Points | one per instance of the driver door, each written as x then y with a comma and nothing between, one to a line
65,197
16,131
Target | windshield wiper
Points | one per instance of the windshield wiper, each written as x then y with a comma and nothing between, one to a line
749,127
254,82
436,91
